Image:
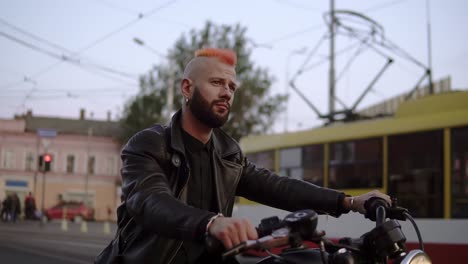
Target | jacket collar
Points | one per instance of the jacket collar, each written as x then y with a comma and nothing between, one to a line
223,144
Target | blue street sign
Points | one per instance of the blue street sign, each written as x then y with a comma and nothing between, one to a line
46,132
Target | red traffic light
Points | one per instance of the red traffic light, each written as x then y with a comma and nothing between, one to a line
47,158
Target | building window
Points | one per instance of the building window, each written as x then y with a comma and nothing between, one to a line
91,165
9,159
459,156
29,165
70,164
356,164
415,172
265,159
111,166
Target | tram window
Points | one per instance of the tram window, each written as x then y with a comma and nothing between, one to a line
265,159
312,160
291,157
459,146
415,172
356,164
303,163
291,163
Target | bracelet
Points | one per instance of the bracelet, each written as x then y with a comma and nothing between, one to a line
352,205
212,220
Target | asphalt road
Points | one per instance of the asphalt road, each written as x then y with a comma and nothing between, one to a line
28,242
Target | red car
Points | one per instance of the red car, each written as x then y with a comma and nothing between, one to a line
75,211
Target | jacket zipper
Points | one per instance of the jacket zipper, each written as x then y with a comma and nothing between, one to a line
178,197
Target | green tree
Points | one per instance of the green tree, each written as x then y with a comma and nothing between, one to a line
253,110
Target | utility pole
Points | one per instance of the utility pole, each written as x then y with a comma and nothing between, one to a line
429,47
43,192
331,99
90,133
45,136
84,225
37,168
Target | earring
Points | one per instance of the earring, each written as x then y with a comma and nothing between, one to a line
186,99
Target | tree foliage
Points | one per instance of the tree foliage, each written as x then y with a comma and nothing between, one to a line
253,110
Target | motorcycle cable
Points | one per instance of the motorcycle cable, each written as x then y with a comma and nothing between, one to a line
278,257
409,217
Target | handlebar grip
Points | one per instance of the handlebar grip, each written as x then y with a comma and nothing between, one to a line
371,206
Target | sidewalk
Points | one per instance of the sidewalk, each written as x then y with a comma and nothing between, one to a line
55,227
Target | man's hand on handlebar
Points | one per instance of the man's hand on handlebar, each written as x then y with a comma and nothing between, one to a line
356,203
232,231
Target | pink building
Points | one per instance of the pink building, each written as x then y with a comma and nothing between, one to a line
85,164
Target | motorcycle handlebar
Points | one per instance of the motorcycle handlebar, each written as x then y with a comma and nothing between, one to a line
392,212
274,232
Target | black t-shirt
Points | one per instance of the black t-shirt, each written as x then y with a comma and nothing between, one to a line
200,194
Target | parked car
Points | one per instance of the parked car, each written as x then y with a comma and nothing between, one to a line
75,211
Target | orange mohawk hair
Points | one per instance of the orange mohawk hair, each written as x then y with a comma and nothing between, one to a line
225,55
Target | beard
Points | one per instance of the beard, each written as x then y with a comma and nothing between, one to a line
204,110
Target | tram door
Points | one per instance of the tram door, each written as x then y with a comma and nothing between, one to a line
459,172
415,172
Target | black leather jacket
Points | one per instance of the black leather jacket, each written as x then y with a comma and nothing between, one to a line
154,218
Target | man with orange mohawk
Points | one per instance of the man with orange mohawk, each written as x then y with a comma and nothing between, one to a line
180,180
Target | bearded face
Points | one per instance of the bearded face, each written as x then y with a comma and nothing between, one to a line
207,112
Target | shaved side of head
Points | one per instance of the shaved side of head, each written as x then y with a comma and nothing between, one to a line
202,58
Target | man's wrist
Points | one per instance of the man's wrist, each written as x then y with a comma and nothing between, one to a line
342,208
349,203
211,220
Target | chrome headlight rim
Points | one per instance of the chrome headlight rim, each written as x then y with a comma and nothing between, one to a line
415,257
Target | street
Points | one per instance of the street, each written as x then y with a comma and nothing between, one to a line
28,242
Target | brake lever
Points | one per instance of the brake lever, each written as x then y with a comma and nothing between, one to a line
279,237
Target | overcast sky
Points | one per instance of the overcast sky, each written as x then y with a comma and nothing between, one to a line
36,36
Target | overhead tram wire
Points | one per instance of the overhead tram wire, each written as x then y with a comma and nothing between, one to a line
29,94
313,28
66,58
116,88
134,12
60,57
45,41
33,47
55,93
94,43
291,35
140,16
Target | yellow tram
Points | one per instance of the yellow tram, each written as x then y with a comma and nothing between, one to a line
419,155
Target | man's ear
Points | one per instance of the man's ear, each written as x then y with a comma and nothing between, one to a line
186,87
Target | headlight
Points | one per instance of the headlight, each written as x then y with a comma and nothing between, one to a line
416,257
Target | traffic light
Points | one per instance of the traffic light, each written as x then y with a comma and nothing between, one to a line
44,162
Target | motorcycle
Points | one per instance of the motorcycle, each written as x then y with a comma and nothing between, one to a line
384,243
